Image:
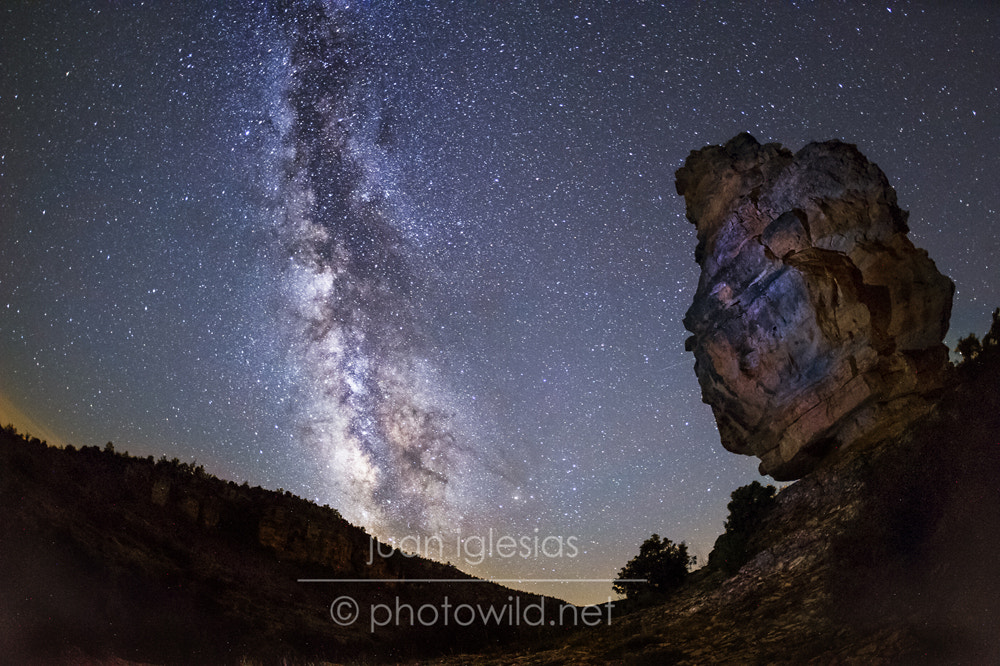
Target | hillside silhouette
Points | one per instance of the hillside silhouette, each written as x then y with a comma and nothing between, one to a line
108,555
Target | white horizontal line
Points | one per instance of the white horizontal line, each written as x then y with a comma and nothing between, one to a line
472,580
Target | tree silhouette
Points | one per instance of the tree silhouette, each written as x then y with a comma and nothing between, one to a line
972,350
662,564
969,348
748,506
992,339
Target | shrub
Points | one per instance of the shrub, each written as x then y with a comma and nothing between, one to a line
661,563
748,506
974,352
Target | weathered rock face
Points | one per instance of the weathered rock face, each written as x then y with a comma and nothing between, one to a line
817,324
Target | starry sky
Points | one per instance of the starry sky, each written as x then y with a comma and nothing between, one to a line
424,261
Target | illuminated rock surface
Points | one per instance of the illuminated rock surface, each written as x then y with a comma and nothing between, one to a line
817,325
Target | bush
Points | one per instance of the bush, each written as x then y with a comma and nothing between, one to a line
748,506
973,351
661,563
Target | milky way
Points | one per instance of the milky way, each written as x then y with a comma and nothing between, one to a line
424,261
369,403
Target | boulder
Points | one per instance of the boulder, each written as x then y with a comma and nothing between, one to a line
817,325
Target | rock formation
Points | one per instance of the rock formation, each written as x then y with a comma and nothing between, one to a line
817,324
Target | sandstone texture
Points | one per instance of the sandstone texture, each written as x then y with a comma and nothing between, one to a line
817,325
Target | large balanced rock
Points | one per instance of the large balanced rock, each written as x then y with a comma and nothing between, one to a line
817,324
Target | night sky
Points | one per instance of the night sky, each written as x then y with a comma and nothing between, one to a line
424,261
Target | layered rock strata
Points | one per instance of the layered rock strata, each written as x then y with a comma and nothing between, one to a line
817,325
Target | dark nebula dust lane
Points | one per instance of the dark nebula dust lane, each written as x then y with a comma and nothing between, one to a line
372,410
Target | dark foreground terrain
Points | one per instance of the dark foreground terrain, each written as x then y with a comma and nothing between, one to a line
888,555
107,558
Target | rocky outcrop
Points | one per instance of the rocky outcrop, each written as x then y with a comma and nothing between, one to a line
817,325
